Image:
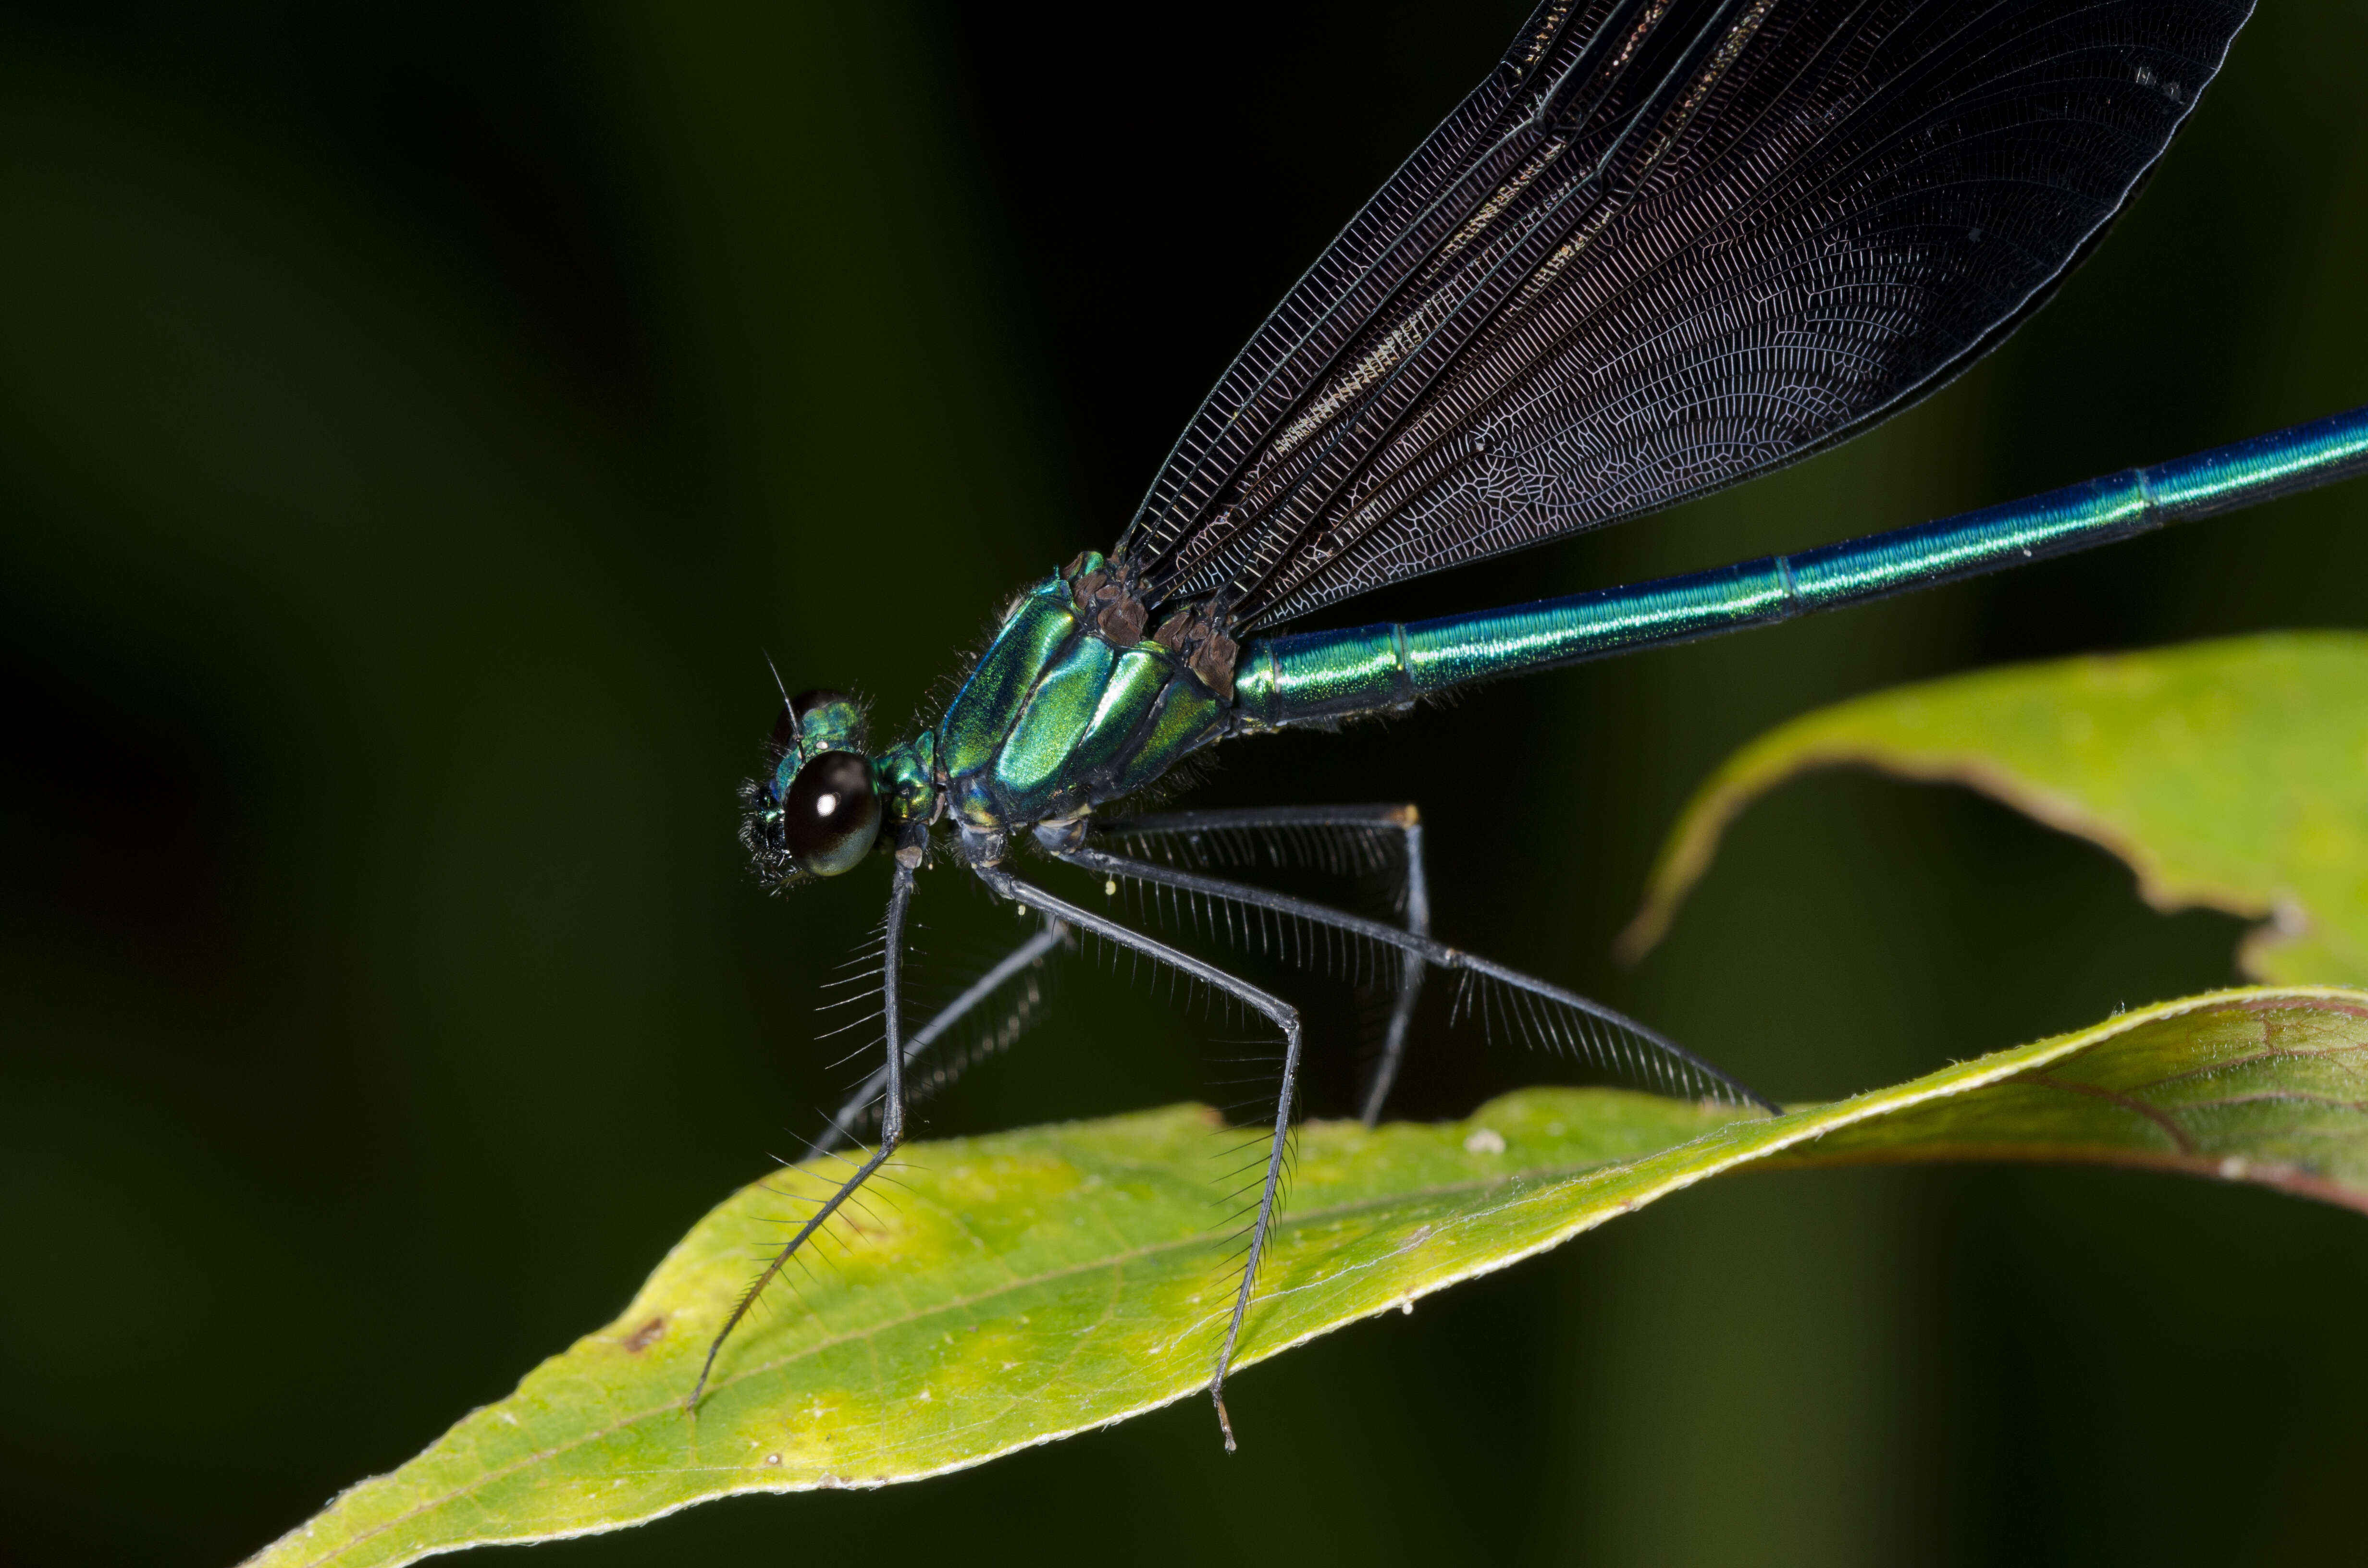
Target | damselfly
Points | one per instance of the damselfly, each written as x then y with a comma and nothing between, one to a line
1666,246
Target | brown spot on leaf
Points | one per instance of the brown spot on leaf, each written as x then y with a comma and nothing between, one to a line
649,1334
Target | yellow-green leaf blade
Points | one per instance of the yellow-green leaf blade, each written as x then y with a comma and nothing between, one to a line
1029,1285
2250,1088
2231,775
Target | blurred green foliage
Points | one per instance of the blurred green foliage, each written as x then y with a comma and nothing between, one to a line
414,421
2230,774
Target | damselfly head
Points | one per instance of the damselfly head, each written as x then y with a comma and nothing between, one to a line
816,813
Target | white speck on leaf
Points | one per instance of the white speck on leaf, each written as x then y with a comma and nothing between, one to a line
1485,1140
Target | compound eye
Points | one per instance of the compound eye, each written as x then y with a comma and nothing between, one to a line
831,816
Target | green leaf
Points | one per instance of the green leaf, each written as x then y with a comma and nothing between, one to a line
2231,775
1016,1288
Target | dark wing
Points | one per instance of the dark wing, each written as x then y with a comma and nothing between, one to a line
1667,245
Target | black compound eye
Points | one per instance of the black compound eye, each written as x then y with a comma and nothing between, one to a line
831,816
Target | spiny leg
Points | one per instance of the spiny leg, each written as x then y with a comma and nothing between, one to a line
1427,950
1413,894
841,1129
1411,969
1280,1013
909,850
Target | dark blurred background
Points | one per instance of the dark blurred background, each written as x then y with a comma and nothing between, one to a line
414,421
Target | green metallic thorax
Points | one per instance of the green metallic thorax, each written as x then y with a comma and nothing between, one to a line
1057,718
